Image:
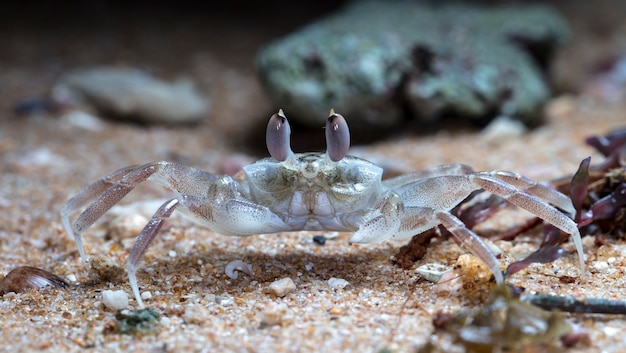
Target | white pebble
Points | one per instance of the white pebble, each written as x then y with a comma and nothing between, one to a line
237,265
273,314
71,277
601,266
146,295
196,314
83,120
338,283
282,287
115,300
610,331
308,266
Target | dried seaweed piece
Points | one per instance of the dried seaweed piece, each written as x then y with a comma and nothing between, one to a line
598,192
506,323
613,142
549,251
140,321
479,211
578,188
23,278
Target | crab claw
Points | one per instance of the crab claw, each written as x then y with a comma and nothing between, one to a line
337,136
277,137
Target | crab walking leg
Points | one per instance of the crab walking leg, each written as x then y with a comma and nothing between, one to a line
534,188
416,220
142,243
533,205
107,199
471,241
85,196
105,193
400,182
545,193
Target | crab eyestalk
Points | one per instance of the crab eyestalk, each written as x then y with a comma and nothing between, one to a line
337,136
277,137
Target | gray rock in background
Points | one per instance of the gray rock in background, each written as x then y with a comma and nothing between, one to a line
373,61
132,94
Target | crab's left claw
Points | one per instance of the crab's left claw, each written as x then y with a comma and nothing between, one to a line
382,222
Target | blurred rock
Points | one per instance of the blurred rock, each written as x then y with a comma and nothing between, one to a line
608,81
131,94
374,61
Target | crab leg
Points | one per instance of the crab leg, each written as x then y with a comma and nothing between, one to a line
443,193
87,195
106,192
214,201
534,188
545,193
144,239
403,182
534,205
471,241
382,222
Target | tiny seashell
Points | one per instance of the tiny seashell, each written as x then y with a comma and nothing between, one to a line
337,283
432,272
24,278
237,265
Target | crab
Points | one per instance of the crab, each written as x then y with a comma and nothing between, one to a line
328,191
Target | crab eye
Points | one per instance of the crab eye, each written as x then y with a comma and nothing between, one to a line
337,136
277,136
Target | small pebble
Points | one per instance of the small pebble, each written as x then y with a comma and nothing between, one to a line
115,300
471,266
196,314
83,120
273,314
338,283
282,287
610,331
601,266
146,295
335,311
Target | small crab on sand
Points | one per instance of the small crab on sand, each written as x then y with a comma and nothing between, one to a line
329,191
